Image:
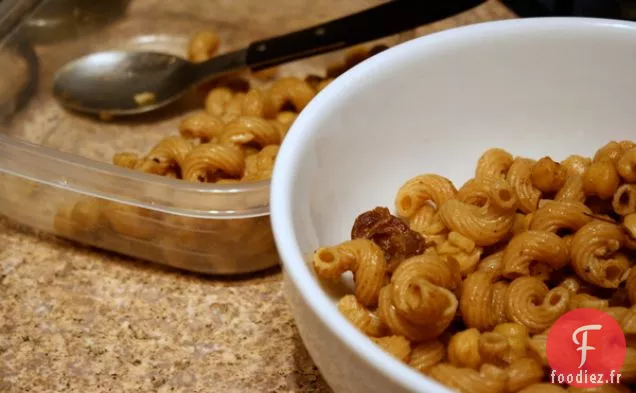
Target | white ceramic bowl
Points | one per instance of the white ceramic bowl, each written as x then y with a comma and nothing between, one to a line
434,104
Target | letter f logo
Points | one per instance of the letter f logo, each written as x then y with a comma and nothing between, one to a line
583,344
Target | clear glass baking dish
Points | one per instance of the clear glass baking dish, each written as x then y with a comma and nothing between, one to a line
55,166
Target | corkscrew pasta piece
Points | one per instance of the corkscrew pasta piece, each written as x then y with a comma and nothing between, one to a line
173,173
258,103
601,179
572,190
522,373
517,336
427,354
576,165
63,224
206,160
611,153
629,228
427,222
494,163
193,233
624,200
534,247
631,286
203,46
290,90
130,220
217,101
250,150
202,126
428,267
471,349
362,257
355,55
238,227
483,300
313,80
628,371
489,379
462,250
548,176
375,49
258,235
398,346
482,191
280,127
260,166
504,345
596,257
520,178
537,347
361,317
323,83
266,74
626,166
493,347
485,225
626,145
543,388
87,214
493,263
250,130
559,216
126,160
418,303
519,224
286,117
585,300
169,153
530,303
572,284
626,318
335,70
421,190
234,108
463,349
527,219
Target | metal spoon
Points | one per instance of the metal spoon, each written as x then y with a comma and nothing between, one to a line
124,83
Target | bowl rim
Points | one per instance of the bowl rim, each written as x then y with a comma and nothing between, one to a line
285,172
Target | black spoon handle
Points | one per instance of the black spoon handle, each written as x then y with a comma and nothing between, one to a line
374,23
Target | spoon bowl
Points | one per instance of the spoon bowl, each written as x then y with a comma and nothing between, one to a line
122,83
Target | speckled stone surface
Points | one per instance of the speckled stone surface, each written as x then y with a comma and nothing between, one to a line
74,319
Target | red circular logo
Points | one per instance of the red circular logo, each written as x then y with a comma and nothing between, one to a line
585,348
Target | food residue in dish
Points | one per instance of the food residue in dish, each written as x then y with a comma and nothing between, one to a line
146,98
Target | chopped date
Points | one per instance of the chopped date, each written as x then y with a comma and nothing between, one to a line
389,232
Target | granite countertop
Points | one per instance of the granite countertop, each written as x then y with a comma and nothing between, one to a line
74,319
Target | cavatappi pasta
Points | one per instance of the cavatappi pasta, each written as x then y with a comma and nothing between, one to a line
235,116
235,137
491,265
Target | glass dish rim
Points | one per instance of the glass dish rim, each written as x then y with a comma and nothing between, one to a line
85,168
